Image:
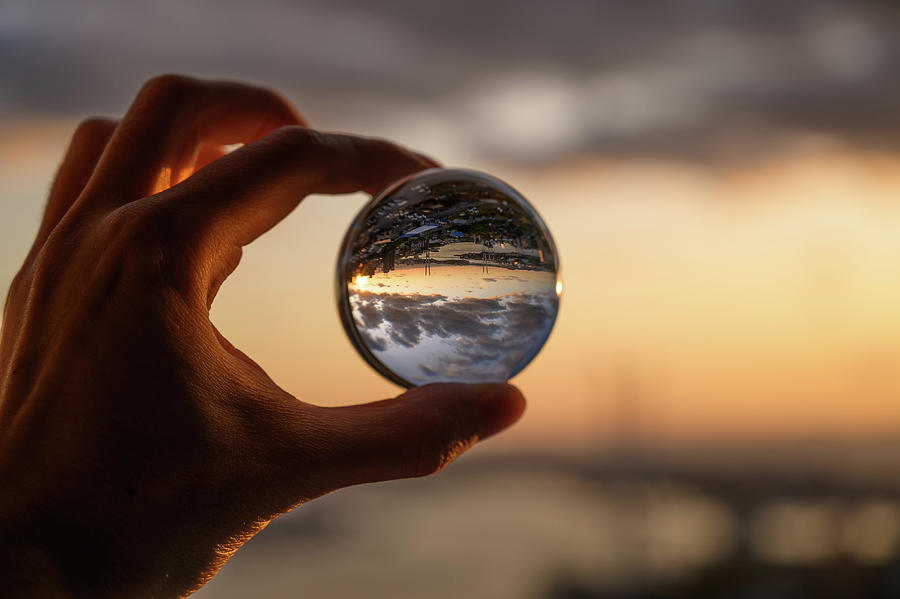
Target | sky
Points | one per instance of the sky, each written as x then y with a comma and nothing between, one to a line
721,180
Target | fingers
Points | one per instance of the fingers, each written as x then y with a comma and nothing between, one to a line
88,143
245,193
415,434
170,120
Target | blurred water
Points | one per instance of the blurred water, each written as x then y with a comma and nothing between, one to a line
612,525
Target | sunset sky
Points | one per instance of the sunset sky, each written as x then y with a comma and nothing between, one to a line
758,301
727,213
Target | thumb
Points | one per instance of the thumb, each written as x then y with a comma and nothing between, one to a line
416,433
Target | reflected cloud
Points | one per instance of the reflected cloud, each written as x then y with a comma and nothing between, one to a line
374,342
433,337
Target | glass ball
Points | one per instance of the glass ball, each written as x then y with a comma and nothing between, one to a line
448,275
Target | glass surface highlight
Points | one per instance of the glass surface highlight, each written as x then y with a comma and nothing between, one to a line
448,275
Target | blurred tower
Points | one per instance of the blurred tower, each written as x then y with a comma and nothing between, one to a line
626,416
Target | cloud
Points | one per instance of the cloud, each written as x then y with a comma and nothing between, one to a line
372,342
467,339
709,75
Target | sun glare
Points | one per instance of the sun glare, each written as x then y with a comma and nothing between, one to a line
360,280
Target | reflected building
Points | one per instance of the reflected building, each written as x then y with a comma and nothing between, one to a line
387,260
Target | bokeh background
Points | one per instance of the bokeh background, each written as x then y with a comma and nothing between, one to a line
717,413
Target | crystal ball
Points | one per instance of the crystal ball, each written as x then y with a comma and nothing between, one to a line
448,275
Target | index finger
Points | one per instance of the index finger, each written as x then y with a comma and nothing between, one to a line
244,194
168,122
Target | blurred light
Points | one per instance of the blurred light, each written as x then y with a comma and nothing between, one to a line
872,531
795,533
686,531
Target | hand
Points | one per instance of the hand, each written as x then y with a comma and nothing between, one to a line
138,448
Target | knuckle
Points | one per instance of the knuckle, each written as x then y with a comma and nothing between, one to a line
276,102
131,222
295,138
20,279
133,234
166,88
95,254
152,242
48,266
293,145
18,286
93,126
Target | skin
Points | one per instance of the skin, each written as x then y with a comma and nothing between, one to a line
139,449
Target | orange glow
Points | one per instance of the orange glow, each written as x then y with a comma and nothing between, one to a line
737,303
701,302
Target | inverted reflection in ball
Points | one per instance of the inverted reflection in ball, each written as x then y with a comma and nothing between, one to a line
449,275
